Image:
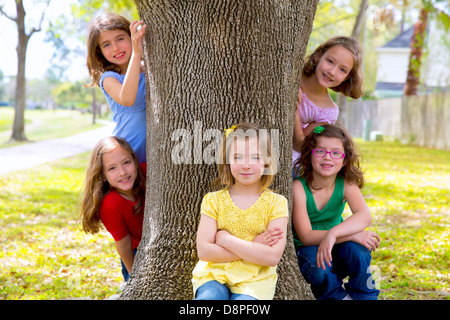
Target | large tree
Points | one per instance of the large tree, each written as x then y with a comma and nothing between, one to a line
209,65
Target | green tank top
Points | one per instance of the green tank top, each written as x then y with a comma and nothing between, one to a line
328,217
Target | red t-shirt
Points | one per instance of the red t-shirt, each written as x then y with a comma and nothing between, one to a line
116,214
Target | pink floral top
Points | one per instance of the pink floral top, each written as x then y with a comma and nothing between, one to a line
309,112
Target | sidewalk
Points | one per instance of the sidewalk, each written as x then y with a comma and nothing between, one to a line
34,154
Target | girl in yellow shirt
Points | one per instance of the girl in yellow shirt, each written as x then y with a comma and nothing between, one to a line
242,230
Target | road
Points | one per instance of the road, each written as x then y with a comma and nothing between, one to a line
36,153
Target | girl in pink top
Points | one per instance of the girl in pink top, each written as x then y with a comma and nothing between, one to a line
336,65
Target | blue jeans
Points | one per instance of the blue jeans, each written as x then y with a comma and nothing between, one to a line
125,273
214,290
348,259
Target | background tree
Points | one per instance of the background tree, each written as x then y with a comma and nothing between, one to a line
2,89
18,133
418,43
356,34
209,65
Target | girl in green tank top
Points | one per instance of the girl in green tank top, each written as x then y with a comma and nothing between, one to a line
328,217
330,177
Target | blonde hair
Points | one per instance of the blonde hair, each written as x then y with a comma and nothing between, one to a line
96,186
352,86
96,62
241,131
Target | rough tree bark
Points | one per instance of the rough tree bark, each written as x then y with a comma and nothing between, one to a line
211,64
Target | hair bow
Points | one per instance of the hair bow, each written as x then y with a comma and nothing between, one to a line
229,130
318,129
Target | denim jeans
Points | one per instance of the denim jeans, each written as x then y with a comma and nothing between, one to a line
125,273
348,259
214,290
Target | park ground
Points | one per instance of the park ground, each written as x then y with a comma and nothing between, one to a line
45,255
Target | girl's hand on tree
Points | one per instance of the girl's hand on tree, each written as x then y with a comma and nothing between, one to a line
270,237
137,35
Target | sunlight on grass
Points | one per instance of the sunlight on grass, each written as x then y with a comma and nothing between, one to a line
408,192
44,255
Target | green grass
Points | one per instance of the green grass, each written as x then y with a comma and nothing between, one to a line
44,255
408,191
45,124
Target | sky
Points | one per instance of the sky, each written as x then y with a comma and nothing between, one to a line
39,52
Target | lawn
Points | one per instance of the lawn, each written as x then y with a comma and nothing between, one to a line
44,255
408,191
45,124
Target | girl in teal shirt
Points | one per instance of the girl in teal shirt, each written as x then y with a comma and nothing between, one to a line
114,63
328,247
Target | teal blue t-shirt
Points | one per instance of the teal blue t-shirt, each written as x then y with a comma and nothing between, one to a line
131,123
328,217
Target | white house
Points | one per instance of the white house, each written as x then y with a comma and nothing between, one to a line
393,65
393,62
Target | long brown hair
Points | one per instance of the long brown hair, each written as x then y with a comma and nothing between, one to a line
350,171
96,186
352,86
242,131
96,62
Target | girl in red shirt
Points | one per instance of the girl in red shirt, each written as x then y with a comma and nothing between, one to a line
114,194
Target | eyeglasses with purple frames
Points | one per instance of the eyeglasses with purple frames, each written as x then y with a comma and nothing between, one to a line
322,153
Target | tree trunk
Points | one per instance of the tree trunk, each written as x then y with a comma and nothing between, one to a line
18,133
360,19
212,64
358,35
417,43
94,106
